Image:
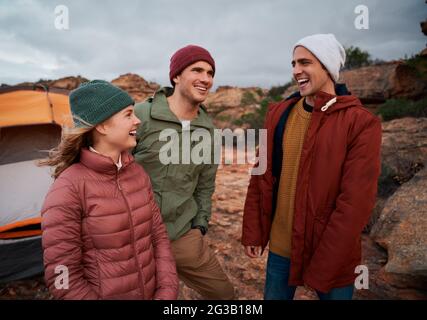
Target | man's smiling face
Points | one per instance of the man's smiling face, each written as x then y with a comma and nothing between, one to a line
195,81
309,73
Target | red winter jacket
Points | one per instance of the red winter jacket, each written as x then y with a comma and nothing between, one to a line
105,227
335,192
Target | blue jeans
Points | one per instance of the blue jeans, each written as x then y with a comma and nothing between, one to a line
277,288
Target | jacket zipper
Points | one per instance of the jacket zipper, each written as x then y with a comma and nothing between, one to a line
316,129
140,278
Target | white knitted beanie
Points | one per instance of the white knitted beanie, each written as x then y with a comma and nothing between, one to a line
327,49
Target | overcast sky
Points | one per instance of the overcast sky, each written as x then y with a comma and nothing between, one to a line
250,40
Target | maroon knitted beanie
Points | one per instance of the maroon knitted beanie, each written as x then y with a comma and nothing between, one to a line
187,56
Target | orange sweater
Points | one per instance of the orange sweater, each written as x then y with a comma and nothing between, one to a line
293,140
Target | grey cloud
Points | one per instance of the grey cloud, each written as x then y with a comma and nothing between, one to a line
251,41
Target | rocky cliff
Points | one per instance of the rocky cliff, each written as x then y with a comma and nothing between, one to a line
136,86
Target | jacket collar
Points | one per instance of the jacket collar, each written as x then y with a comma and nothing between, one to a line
103,164
344,99
160,110
118,164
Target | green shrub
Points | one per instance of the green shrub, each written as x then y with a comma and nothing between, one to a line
252,119
248,98
238,122
418,63
356,58
255,120
223,117
278,91
399,108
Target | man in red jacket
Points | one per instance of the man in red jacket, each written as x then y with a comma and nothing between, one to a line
323,163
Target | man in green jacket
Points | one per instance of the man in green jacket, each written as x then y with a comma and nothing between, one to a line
184,188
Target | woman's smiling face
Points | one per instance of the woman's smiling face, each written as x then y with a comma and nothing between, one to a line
119,131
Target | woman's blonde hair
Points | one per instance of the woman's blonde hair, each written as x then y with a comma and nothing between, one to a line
68,150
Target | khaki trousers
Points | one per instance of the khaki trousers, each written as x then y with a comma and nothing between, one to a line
199,268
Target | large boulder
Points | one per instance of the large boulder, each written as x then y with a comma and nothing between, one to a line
402,228
223,98
404,145
136,86
375,84
378,83
402,231
395,250
68,83
228,104
383,284
226,97
403,153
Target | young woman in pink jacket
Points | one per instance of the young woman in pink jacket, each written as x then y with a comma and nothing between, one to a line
103,235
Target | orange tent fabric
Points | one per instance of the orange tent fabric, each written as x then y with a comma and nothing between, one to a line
22,107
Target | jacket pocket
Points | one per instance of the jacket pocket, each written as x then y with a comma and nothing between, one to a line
321,220
319,227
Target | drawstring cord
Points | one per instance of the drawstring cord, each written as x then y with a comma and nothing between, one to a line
328,104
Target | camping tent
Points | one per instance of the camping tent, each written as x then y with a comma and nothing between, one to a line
31,119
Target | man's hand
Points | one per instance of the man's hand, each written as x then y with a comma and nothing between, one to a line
253,251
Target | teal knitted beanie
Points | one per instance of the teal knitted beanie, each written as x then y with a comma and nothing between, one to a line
95,101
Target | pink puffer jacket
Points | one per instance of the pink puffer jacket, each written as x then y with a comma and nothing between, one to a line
104,226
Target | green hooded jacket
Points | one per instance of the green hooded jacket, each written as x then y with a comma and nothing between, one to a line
182,190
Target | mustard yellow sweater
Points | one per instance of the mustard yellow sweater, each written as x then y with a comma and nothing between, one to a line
293,139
